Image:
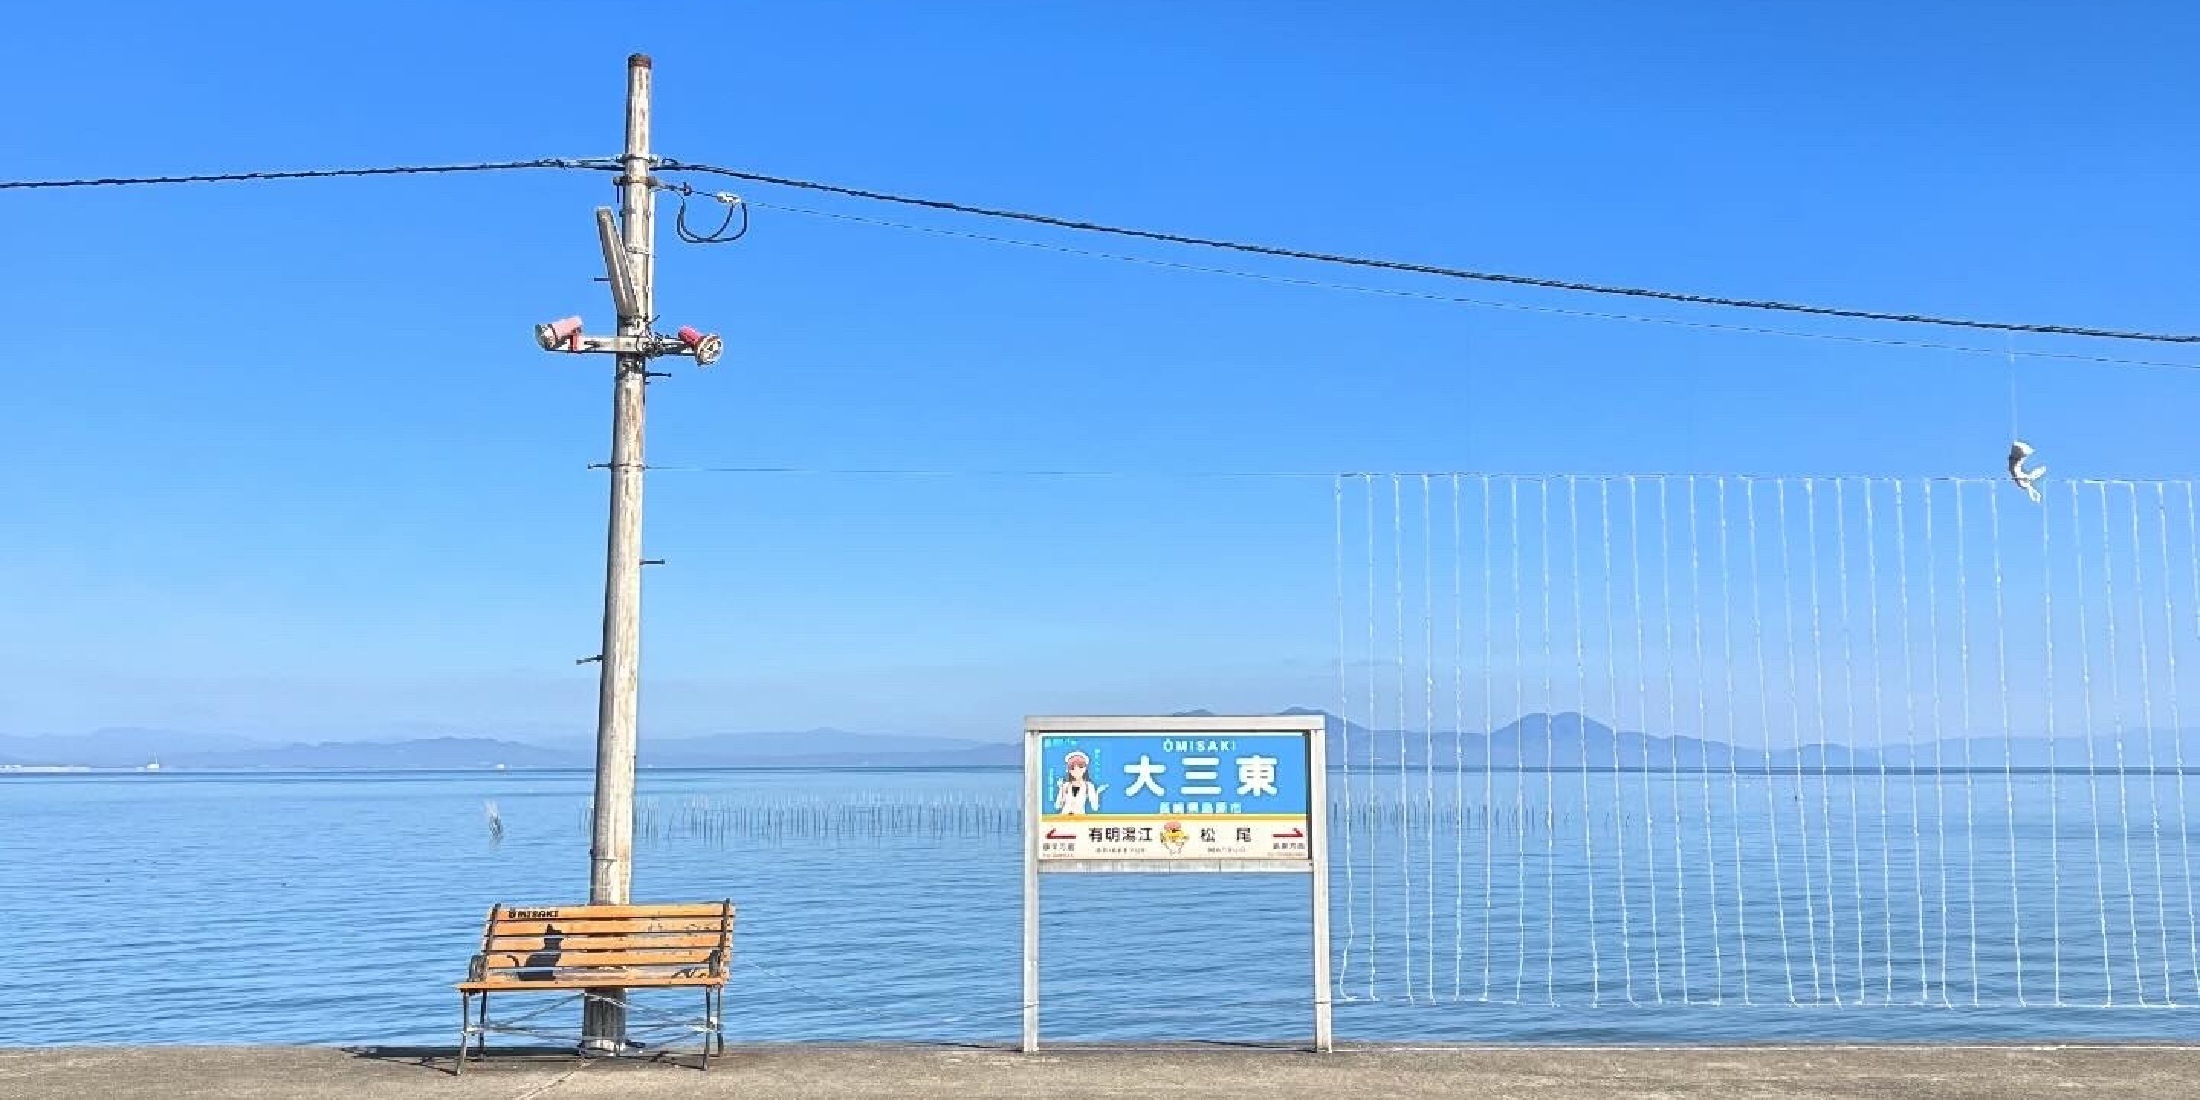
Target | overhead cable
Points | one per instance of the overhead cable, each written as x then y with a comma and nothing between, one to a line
1409,267
1084,226
599,164
1481,303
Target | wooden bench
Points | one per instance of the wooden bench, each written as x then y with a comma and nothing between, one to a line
606,948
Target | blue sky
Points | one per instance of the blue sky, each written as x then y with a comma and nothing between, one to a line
289,463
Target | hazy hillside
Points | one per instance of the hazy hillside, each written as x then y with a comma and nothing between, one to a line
1562,740
185,750
814,747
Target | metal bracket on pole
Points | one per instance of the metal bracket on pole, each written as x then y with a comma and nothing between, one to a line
618,271
566,336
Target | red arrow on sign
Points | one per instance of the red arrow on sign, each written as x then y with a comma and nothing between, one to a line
1292,835
1057,834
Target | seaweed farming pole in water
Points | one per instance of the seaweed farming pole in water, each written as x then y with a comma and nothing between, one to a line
717,821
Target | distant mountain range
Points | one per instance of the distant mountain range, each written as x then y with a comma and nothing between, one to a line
1570,740
179,749
1562,740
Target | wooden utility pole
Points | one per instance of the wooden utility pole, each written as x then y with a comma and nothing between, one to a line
629,255
618,698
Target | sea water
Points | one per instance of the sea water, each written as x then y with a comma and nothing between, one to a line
339,908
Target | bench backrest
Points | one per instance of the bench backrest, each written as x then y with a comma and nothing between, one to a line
688,940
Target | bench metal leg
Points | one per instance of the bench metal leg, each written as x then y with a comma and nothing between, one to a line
465,1030
710,1024
473,1027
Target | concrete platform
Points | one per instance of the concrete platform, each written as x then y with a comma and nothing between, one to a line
829,1072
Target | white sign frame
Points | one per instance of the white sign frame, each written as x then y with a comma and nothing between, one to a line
1313,728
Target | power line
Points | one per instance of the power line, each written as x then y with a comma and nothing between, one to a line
1683,297
1483,303
605,164
597,164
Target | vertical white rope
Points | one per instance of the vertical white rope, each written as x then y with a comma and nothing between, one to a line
2146,702
1879,734
1825,745
2092,773
1550,760
2054,761
1642,708
1940,786
1909,711
1673,732
1764,717
2008,738
2167,842
1611,685
1703,736
1405,805
2176,720
1344,719
2116,726
1458,750
1795,722
1374,719
1520,784
1970,795
1428,720
1733,740
1848,693
2146,721
1489,727
1581,693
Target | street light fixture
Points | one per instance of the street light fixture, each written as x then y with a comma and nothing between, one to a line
566,332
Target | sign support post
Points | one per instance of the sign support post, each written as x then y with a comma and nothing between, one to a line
1032,828
1186,794
1317,784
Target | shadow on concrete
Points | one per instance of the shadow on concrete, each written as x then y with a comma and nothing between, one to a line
1169,1046
444,1060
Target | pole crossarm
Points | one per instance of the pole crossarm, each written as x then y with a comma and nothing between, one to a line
704,347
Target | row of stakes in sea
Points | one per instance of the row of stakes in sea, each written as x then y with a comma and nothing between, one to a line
723,820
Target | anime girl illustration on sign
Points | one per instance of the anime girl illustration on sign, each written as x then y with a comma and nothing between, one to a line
1077,794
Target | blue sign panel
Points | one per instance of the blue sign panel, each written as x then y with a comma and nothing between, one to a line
1165,796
